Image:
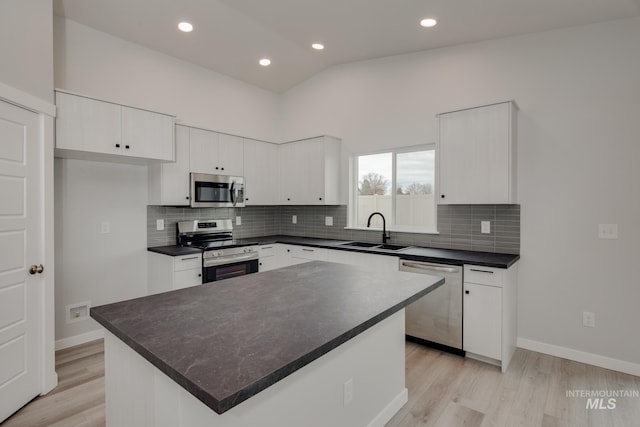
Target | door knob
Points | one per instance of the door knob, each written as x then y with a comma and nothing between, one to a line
36,269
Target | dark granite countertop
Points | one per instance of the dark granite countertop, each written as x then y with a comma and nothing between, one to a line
227,341
174,250
414,253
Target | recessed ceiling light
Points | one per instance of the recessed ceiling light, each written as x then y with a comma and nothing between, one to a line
428,22
185,27
265,62
317,46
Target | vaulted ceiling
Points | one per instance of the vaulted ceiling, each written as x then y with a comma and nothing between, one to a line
230,36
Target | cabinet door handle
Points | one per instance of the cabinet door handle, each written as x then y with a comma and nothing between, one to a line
187,198
481,271
466,292
126,146
192,257
308,250
267,247
200,275
319,198
216,168
117,145
442,196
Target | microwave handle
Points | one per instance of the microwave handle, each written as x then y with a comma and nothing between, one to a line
232,193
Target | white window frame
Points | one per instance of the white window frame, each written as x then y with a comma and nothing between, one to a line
352,214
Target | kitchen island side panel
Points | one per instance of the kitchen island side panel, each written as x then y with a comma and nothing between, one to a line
138,394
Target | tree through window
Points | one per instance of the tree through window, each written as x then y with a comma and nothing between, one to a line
400,184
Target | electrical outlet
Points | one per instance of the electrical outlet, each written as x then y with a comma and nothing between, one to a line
485,227
105,227
294,219
159,224
348,392
608,231
588,319
77,312
238,220
328,221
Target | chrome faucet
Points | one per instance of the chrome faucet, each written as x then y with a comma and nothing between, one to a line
385,236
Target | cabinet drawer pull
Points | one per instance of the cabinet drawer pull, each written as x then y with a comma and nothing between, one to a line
184,259
308,250
481,271
267,247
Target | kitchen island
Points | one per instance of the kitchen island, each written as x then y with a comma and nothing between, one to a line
312,344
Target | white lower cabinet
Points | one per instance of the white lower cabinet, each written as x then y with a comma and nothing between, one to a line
272,256
167,273
371,261
489,314
280,255
301,254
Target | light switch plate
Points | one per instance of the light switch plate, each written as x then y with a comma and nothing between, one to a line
294,219
328,221
608,231
485,227
105,227
159,224
238,220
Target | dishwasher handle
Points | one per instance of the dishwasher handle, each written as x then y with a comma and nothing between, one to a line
429,267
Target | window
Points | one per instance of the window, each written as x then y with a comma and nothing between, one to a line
398,183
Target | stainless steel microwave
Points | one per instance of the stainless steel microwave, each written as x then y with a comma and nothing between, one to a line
216,191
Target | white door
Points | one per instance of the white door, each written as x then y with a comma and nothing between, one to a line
21,246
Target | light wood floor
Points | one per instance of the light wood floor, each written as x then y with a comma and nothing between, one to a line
444,390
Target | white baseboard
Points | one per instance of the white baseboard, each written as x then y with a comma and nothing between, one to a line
581,356
390,410
79,339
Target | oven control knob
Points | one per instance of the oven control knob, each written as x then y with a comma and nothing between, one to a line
219,253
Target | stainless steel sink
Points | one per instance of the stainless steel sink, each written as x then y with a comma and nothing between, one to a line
360,244
391,247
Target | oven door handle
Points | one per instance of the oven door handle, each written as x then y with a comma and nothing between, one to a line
214,262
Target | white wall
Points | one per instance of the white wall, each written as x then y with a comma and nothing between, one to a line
26,46
91,266
106,268
578,90
94,63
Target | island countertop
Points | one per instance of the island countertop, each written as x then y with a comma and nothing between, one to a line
226,341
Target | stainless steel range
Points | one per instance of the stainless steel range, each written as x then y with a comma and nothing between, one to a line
222,256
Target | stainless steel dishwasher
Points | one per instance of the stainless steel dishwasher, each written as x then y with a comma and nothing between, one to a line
436,318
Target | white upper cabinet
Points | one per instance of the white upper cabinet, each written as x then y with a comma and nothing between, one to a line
147,135
477,155
203,151
215,153
311,171
169,182
231,155
93,129
261,173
